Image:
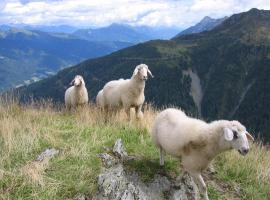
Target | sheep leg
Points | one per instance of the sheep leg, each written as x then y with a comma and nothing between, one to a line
161,160
201,184
139,113
127,109
68,108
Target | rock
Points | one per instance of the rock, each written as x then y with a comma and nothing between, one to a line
107,159
118,183
80,197
118,149
187,189
48,153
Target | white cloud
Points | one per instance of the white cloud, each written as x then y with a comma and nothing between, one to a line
2,4
181,13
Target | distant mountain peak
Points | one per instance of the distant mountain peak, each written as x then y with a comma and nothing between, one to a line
206,19
206,24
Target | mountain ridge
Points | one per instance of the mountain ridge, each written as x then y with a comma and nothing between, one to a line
125,33
206,24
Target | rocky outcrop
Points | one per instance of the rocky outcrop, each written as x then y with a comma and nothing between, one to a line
116,182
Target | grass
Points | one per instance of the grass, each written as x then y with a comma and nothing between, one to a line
26,131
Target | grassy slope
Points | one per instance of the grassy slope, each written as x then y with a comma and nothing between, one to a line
27,131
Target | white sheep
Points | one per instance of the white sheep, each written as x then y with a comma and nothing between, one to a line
125,94
77,94
196,141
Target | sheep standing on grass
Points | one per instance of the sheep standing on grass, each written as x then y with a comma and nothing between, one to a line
77,94
196,141
125,93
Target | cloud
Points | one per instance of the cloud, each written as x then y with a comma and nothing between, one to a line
180,13
2,4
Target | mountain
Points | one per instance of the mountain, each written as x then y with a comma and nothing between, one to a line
219,74
27,56
44,28
126,33
52,29
4,27
206,24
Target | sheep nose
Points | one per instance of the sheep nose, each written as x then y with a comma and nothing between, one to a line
245,151
144,77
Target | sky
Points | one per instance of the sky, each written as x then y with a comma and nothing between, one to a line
98,13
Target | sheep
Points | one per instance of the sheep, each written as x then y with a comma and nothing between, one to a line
77,94
127,93
100,99
195,141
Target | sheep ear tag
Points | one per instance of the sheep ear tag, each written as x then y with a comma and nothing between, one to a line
228,134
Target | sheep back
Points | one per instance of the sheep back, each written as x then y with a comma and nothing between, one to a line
177,133
121,93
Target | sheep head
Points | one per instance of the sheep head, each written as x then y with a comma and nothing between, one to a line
77,81
142,71
235,133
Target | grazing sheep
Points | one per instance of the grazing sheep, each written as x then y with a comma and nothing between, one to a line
196,141
77,94
125,94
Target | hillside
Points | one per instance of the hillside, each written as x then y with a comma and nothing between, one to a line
79,138
206,24
31,55
228,66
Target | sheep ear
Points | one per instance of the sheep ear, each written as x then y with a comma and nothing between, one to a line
135,71
249,136
228,134
150,73
72,82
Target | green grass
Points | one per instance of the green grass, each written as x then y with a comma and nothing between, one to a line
25,132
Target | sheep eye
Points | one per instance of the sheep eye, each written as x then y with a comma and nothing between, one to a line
235,135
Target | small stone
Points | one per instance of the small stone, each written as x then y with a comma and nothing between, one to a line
48,153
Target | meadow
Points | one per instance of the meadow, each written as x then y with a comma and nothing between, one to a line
27,130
